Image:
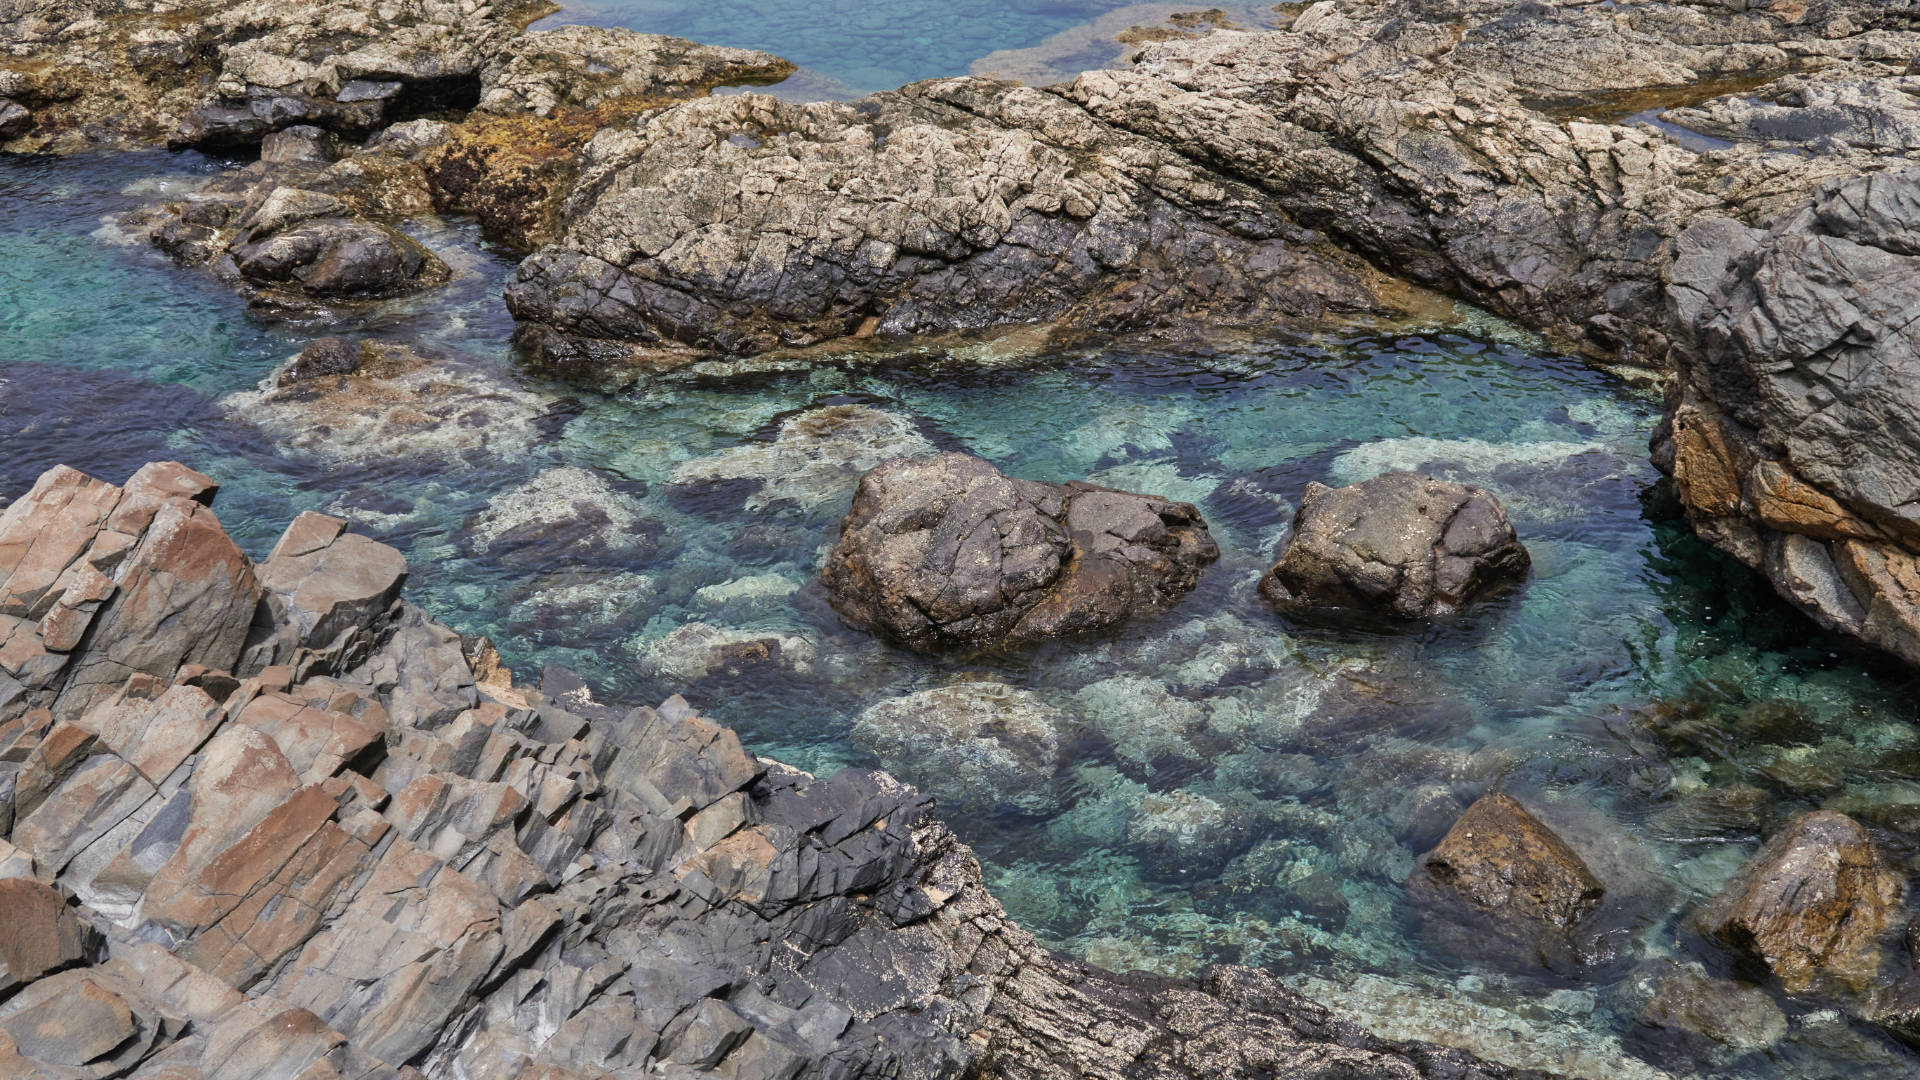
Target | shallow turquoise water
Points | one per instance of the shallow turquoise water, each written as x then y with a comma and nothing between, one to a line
1308,766
862,46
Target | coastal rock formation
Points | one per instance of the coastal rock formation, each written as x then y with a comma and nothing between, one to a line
947,551
325,834
1812,906
1399,543
1211,181
1792,436
223,72
1500,881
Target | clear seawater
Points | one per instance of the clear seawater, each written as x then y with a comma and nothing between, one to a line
1238,787
852,47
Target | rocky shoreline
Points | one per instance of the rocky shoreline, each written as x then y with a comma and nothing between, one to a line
1720,190
271,821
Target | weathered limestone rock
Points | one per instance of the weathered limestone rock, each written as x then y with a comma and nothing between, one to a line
414,867
1812,906
1500,881
947,551
1399,543
586,66
976,746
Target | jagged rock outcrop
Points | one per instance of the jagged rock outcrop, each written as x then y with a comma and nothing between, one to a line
1205,183
1813,906
1399,543
947,551
1792,435
355,848
226,72
1502,884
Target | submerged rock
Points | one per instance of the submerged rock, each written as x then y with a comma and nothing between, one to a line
698,650
1692,1019
397,403
815,460
977,746
566,516
1399,543
413,860
947,551
1502,882
1812,906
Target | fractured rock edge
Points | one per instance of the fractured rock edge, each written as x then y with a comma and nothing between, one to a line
308,828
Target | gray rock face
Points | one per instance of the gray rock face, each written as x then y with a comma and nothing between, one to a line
1793,437
1399,543
947,551
544,71
414,867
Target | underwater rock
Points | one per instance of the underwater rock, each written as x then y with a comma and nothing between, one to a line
1500,881
418,861
1148,726
1185,835
1399,543
1694,1020
699,650
1811,906
814,462
399,403
947,551
977,746
565,516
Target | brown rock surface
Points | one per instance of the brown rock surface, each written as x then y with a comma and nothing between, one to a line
947,551
1500,869
1812,906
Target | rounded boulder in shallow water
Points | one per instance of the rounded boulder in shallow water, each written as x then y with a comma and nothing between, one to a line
1502,885
948,551
1813,906
1399,543
977,746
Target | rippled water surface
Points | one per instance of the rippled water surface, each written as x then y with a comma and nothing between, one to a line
1235,787
857,46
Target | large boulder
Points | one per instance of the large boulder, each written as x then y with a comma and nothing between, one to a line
948,551
1400,543
1813,906
1502,884
1793,439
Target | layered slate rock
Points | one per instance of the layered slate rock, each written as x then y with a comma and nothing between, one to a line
1500,883
1792,437
947,551
1812,906
1400,543
375,857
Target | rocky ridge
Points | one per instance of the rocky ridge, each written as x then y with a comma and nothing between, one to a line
271,820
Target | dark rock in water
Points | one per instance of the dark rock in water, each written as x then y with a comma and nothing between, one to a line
1812,906
303,144
15,119
336,257
323,357
947,551
1399,543
408,860
1501,882
1695,1021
